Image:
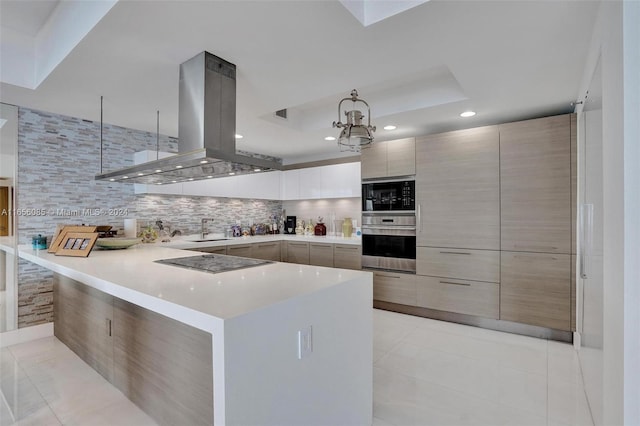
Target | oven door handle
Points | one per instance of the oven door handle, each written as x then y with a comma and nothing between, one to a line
390,228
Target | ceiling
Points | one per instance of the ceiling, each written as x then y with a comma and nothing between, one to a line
418,69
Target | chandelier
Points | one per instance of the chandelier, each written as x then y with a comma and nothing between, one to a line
354,134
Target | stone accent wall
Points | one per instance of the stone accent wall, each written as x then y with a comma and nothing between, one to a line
58,157
185,213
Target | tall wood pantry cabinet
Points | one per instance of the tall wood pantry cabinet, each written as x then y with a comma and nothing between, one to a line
496,210
536,221
458,216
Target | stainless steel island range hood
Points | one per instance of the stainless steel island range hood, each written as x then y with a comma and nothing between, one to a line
206,133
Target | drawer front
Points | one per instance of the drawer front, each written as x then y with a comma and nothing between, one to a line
240,250
536,289
298,252
347,256
214,250
461,296
267,251
475,265
394,288
321,254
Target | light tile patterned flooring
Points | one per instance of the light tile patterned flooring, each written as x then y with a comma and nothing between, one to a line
425,372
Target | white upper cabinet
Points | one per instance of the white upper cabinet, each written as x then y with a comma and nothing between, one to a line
333,181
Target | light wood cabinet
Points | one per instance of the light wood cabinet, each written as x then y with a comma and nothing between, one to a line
476,265
267,251
458,189
373,160
536,289
321,254
401,157
136,350
461,296
83,321
347,256
146,347
212,250
242,250
298,252
395,288
535,185
388,159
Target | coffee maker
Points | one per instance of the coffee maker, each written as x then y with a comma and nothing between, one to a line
290,225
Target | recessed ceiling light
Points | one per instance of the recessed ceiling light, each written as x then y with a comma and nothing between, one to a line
178,167
231,173
190,179
158,170
239,136
329,138
390,127
112,180
257,170
125,177
159,183
209,177
468,114
140,174
174,181
203,162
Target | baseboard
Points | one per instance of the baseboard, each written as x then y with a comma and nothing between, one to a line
492,324
22,335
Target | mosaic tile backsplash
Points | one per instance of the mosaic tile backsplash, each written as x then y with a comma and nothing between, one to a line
58,157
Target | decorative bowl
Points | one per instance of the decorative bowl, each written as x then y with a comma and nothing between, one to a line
116,243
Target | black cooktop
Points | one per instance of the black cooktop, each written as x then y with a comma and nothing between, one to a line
214,263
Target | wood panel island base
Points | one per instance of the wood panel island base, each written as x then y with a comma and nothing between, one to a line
191,347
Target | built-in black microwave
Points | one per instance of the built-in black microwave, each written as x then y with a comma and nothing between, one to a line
389,196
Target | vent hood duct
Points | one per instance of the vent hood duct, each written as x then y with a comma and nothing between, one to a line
206,134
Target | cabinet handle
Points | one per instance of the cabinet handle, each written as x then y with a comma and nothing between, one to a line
543,248
389,276
586,238
419,218
108,327
455,252
450,282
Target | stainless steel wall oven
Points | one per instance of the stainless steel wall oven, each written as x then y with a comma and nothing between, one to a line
389,242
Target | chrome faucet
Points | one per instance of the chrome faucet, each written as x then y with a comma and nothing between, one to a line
203,224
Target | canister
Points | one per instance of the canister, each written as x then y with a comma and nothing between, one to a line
39,242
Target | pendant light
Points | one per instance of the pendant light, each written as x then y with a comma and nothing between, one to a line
354,134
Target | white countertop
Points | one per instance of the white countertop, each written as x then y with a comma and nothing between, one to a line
190,296
187,242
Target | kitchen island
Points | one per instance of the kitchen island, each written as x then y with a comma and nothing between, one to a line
253,318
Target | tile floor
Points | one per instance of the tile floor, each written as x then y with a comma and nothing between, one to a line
425,373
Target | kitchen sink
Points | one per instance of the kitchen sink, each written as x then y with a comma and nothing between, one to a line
209,240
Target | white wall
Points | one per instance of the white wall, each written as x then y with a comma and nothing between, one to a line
311,209
616,38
